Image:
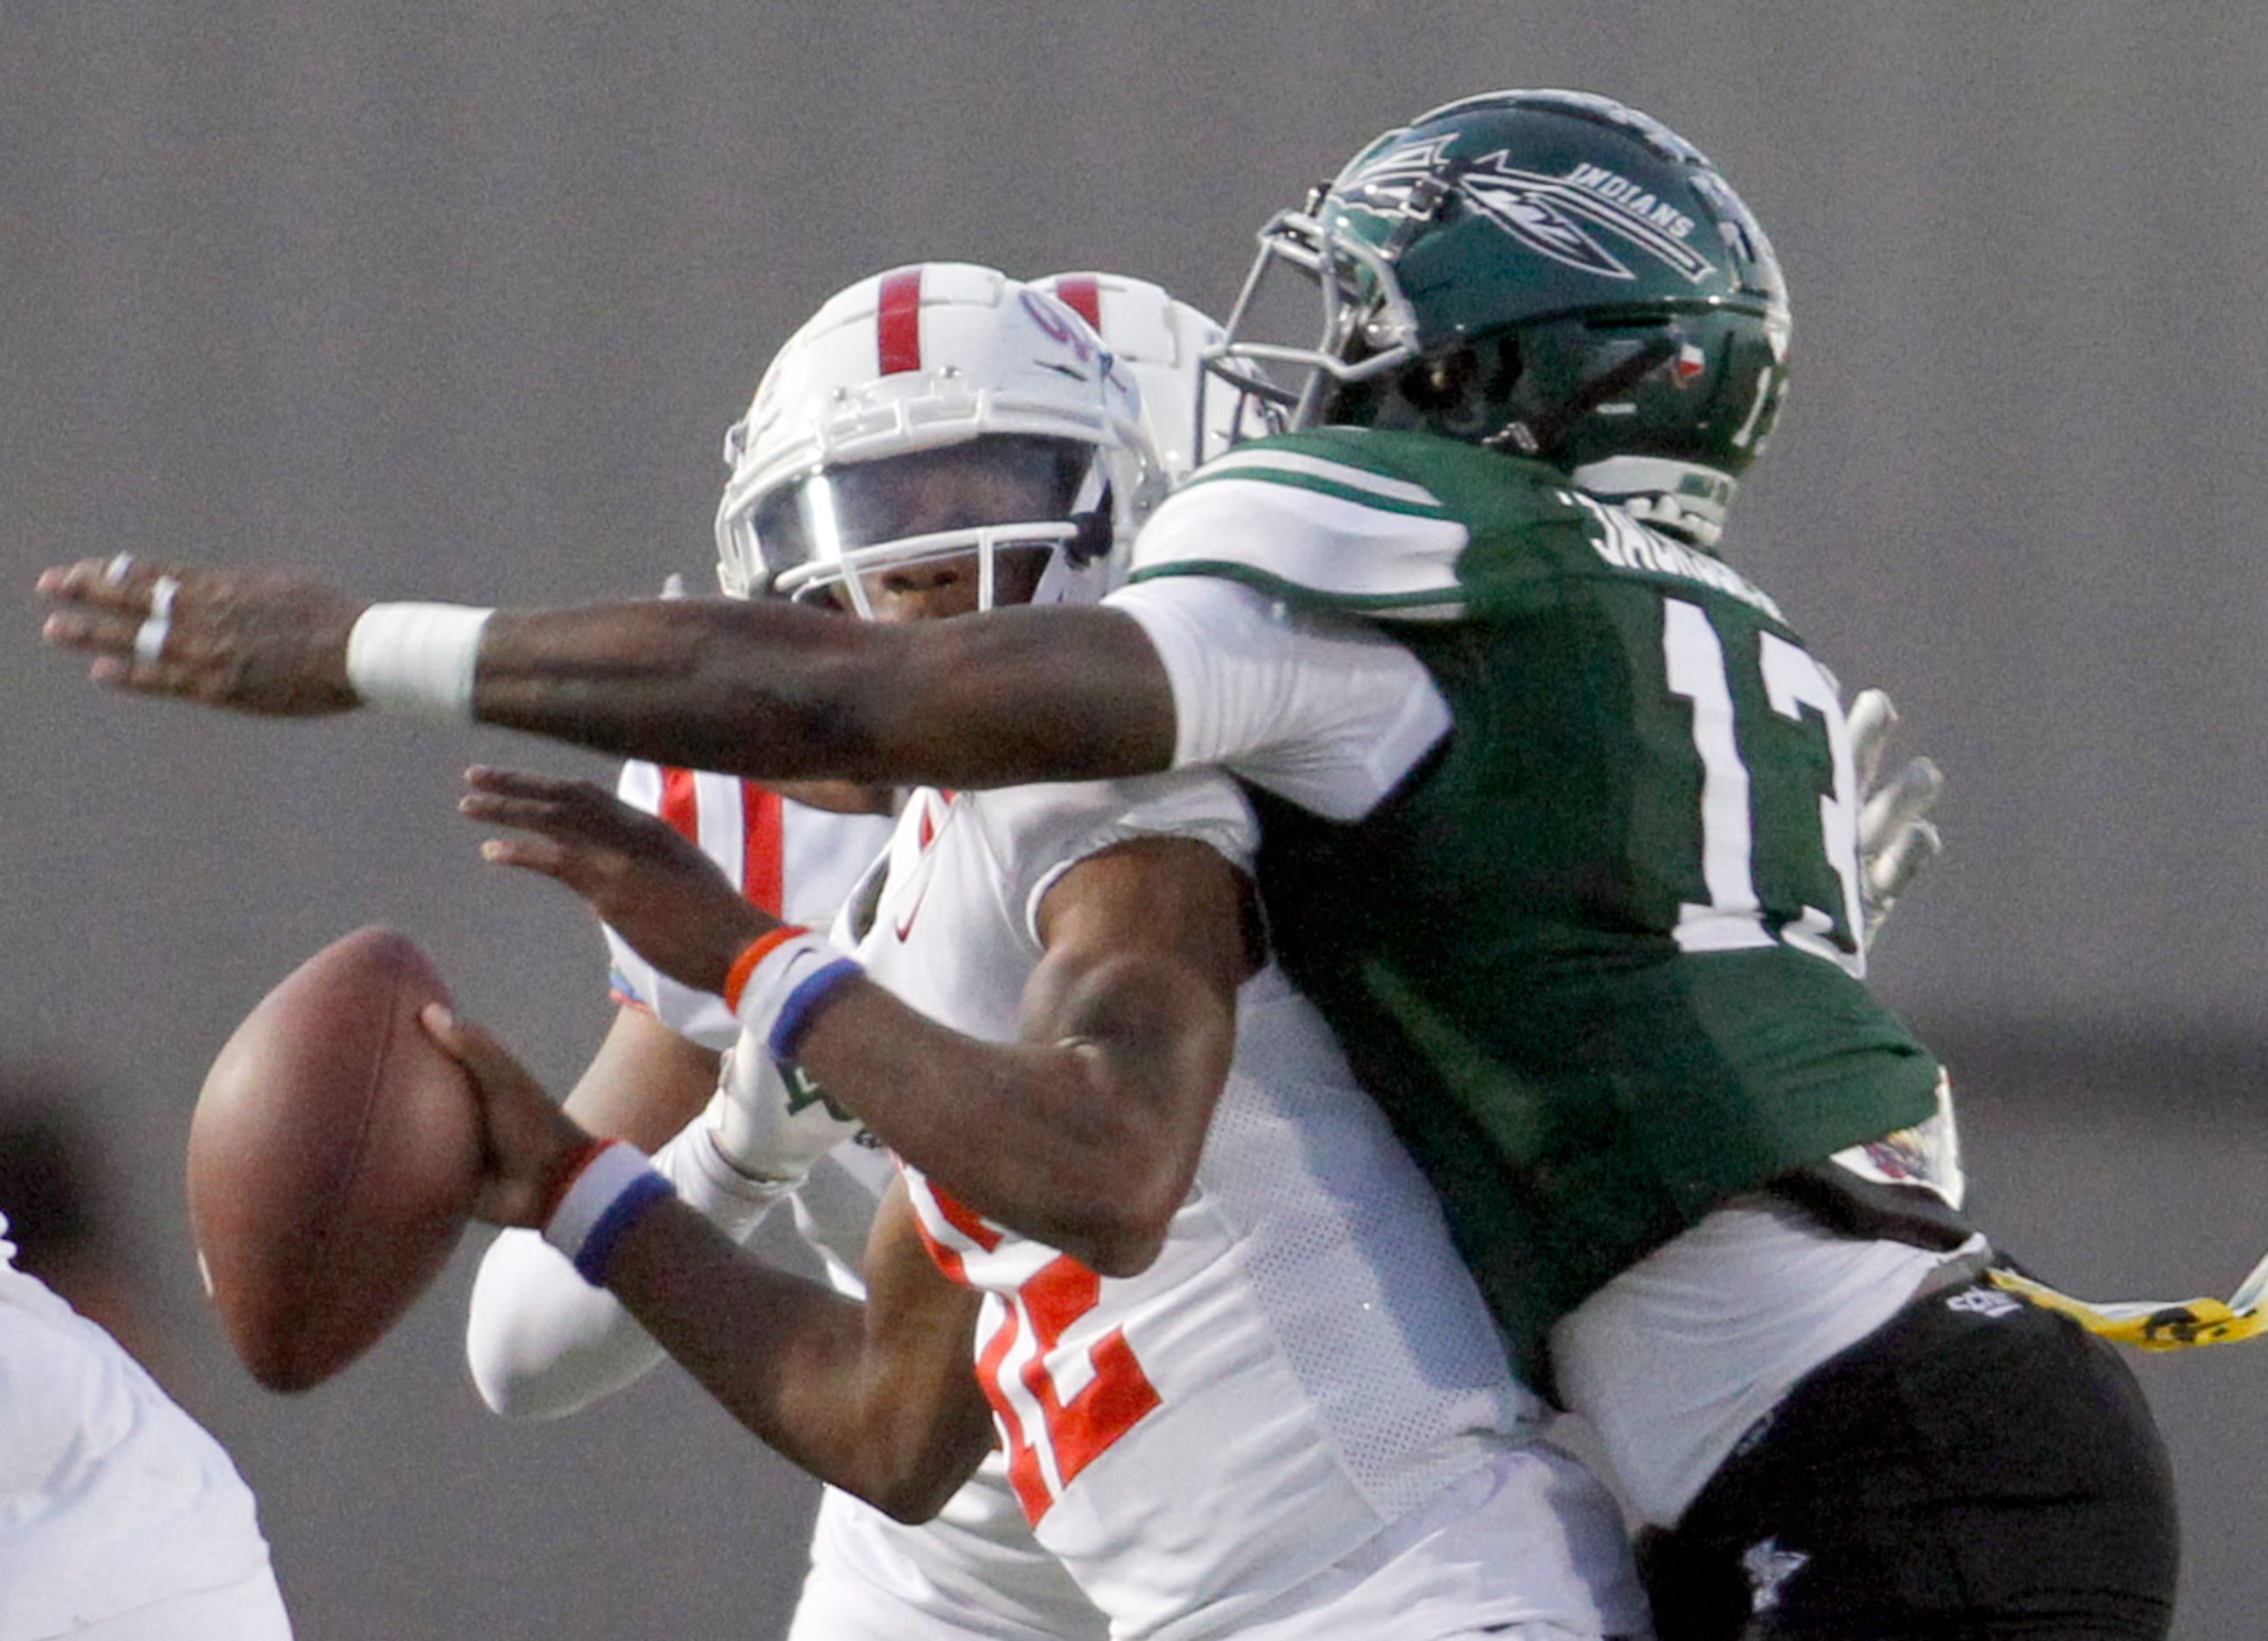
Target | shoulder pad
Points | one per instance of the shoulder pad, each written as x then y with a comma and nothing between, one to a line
1377,524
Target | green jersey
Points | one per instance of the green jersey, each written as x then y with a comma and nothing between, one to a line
1598,952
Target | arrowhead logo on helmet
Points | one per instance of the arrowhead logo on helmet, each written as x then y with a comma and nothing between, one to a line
1538,211
1399,183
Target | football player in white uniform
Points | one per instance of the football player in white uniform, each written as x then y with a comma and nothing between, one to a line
1280,1409
121,1518
540,1339
540,1342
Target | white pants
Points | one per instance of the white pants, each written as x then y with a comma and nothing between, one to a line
972,1575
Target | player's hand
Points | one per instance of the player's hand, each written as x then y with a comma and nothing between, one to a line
1896,838
653,886
528,1143
269,641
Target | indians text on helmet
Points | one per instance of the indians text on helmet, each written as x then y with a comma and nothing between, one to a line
1544,213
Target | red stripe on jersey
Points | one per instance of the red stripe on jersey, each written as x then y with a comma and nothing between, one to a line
1083,295
679,805
965,1220
897,322
1025,1479
763,848
947,1260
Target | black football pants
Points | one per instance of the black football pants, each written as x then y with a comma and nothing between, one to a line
1976,1467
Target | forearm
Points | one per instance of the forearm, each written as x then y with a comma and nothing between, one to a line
776,692
1085,1140
881,1399
884,1406
543,1342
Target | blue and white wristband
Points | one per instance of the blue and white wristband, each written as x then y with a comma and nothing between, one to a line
780,984
608,1194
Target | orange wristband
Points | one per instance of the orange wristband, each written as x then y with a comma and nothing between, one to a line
736,978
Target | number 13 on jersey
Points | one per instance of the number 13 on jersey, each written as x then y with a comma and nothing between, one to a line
1765,817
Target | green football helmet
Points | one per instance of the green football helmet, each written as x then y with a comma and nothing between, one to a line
1545,272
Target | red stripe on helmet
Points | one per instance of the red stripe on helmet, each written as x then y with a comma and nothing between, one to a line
1082,294
897,323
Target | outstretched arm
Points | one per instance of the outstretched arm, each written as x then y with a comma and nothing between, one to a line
764,689
879,1399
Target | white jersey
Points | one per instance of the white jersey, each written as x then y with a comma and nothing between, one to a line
118,1515
975,1572
1298,1420
795,862
1676,1358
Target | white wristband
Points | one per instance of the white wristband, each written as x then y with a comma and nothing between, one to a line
416,658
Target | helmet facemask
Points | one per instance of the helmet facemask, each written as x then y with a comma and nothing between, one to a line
1367,330
1031,512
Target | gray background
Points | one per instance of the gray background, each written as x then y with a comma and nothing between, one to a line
457,301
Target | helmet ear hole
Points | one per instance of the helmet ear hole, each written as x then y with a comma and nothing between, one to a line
1464,393
1504,379
1442,385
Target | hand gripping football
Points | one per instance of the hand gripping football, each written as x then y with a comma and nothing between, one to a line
332,1160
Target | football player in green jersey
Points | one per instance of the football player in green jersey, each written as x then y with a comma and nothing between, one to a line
1559,819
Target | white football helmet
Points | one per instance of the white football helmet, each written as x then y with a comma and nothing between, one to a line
1163,342
919,359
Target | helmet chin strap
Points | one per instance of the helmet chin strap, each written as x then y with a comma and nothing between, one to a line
1540,436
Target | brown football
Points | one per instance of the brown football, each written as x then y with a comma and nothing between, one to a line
333,1159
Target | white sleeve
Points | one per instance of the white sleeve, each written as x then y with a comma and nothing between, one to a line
1329,713
1055,827
541,1341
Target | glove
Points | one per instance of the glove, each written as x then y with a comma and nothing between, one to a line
768,1126
1896,840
